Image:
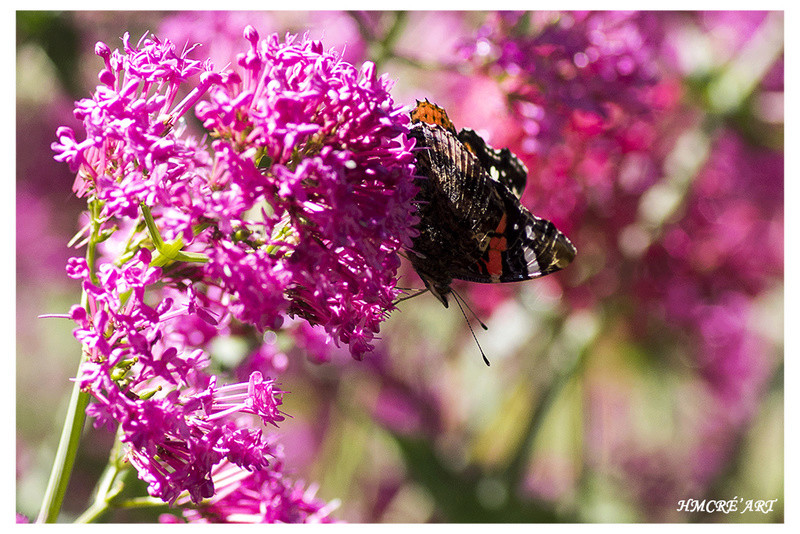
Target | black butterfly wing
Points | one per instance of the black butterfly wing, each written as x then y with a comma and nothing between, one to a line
501,165
521,247
454,205
473,227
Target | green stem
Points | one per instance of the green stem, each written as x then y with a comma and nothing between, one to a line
109,486
142,502
65,456
91,247
93,513
76,411
100,504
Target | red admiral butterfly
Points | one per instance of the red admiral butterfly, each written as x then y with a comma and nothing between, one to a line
472,226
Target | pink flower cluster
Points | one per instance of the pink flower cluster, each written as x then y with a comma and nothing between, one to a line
241,497
297,204
304,199
178,422
567,69
324,144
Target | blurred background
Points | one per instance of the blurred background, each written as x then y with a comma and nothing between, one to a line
648,372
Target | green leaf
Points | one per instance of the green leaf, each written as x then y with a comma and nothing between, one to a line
167,252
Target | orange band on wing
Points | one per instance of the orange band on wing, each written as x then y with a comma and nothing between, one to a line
497,245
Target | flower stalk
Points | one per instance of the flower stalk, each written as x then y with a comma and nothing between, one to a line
65,455
76,410
108,487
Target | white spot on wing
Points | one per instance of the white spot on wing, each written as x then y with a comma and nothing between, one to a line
533,264
530,255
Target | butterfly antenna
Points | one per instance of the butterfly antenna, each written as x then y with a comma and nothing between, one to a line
474,315
411,296
458,299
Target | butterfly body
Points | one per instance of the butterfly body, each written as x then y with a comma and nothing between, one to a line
472,225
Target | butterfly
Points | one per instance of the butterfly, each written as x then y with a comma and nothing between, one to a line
472,225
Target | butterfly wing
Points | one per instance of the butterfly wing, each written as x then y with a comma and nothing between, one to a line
476,229
453,203
521,246
501,165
